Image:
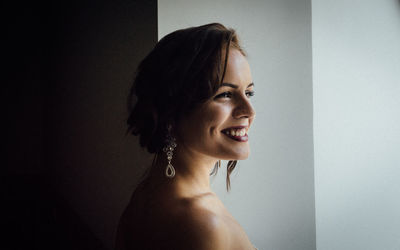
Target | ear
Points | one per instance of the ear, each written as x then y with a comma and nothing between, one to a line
171,127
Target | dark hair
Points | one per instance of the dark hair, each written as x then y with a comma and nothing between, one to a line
183,70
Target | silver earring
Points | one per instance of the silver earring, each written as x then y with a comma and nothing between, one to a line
168,149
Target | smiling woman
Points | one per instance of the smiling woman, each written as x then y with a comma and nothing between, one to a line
190,106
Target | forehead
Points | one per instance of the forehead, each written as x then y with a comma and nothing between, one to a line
237,68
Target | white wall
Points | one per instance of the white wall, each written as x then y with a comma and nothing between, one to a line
272,193
356,77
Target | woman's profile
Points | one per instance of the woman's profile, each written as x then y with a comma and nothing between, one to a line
190,106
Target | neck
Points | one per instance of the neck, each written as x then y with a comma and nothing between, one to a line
192,172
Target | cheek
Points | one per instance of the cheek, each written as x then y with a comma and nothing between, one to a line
215,118
203,125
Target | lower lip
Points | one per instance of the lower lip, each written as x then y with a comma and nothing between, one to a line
244,138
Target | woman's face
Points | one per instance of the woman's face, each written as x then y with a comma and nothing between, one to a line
218,128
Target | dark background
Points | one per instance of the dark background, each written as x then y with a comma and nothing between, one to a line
67,68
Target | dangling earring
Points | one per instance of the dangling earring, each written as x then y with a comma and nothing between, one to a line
168,149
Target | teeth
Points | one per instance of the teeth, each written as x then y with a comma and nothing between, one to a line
236,132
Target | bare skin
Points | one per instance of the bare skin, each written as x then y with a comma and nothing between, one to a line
165,211
183,212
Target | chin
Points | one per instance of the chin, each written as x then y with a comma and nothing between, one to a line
231,152
244,153
243,157
239,155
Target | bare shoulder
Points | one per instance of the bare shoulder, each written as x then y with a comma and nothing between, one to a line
174,223
200,228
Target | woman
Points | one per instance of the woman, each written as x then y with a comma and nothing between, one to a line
190,106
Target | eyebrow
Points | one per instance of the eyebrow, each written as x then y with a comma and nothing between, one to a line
233,85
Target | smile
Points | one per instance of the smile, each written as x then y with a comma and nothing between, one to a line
237,133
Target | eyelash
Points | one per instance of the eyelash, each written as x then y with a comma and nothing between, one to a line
229,94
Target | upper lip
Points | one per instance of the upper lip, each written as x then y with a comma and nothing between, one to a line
237,127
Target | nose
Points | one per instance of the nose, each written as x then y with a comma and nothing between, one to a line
244,109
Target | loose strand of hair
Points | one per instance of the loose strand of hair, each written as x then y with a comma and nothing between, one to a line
230,167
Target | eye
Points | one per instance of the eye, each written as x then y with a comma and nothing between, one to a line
250,93
224,95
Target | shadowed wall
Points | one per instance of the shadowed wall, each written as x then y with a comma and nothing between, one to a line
70,167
